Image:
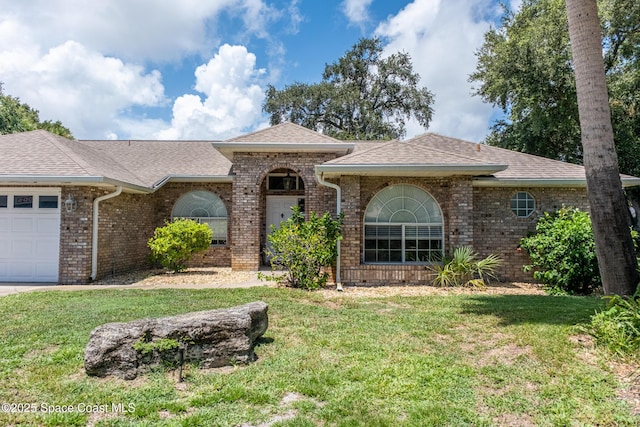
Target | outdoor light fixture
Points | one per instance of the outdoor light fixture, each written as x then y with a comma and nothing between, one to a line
70,204
288,182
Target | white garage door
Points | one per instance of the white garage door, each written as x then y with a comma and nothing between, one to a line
29,235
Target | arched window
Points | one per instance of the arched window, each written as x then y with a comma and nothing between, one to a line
403,224
206,208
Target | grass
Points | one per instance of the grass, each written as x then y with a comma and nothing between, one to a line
476,360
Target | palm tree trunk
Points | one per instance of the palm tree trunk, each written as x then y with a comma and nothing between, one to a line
609,211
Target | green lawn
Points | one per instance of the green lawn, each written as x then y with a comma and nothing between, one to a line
330,361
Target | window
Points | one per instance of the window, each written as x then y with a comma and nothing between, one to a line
3,201
206,208
403,224
284,182
48,202
523,204
23,201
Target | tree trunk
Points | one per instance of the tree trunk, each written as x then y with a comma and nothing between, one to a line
609,211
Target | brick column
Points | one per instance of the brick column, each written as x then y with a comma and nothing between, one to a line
350,246
460,213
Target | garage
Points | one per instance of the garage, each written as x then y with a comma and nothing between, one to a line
29,235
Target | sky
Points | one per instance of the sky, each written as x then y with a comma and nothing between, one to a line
198,69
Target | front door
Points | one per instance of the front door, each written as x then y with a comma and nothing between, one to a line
278,210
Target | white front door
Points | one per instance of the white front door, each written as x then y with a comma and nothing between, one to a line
29,235
278,210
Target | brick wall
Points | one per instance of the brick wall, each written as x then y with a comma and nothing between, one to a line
498,231
248,223
455,197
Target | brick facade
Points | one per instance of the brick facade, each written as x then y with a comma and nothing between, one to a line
248,224
498,231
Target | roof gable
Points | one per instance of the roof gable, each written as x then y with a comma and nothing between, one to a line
284,133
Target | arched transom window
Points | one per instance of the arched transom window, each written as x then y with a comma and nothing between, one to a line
403,224
206,208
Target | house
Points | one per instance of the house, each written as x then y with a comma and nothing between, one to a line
75,211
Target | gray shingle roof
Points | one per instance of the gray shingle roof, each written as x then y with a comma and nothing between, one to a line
285,133
138,163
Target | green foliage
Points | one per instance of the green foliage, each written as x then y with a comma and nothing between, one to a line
562,252
525,68
618,326
303,248
174,244
161,345
361,96
16,116
465,269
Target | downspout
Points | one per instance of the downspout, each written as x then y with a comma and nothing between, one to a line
94,238
336,187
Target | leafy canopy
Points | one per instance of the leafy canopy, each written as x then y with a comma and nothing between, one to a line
525,68
361,96
16,116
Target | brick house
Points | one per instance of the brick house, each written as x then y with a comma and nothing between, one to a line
75,211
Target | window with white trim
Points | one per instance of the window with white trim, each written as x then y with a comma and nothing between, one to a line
523,204
403,225
205,208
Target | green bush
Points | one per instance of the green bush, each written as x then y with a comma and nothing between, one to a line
618,327
303,248
465,269
173,245
563,252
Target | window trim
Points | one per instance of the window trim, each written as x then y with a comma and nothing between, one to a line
218,239
529,199
403,236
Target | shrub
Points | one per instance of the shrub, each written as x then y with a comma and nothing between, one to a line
302,248
465,269
173,245
618,327
562,252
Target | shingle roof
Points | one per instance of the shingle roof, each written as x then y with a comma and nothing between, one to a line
520,165
138,163
286,133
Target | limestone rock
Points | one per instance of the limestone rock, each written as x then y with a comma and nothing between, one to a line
211,338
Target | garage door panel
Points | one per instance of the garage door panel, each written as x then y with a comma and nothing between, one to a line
47,225
23,249
45,247
4,248
22,225
29,238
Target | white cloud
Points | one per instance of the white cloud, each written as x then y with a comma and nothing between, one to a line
80,87
441,37
356,11
232,98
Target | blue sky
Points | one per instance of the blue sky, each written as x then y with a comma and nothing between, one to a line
197,69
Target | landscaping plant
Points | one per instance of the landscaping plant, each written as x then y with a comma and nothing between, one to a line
465,269
303,248
562,252
173,245
618,326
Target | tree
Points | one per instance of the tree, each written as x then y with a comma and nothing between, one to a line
525,67
16,116
614,245
361,96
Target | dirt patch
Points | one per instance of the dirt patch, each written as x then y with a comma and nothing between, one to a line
511,288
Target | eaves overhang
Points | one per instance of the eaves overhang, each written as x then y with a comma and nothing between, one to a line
546,182
228,149
427,170
193,178
97,181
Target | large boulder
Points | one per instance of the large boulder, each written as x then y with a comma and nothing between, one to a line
211,338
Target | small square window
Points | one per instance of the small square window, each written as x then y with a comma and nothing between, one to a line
3,201
22,202
48,202
522,204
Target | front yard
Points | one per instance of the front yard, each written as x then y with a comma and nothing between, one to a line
327,359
